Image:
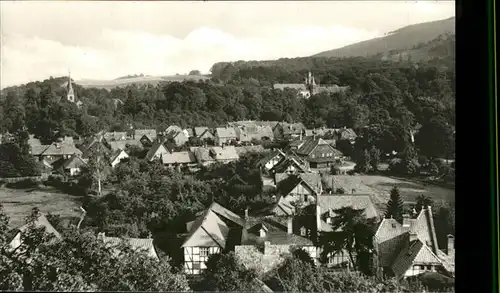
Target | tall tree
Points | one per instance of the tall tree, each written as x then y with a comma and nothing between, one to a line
394,208
353,233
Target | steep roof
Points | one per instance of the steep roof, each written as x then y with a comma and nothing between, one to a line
269,156
185,157
75,161
414,252
156,148
209,229
292,128
41,221
311,180
284,164
115,155
333,202
225,132
198,131
149,133
249,132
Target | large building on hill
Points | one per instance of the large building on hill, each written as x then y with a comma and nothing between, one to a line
309,87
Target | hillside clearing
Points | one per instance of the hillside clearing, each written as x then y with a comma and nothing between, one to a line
380,187
18,203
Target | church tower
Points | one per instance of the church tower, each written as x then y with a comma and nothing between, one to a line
71,92
311,83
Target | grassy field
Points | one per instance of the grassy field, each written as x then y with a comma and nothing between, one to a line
18,203
380,186
153,80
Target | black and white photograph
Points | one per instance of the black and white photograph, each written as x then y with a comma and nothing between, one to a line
227,146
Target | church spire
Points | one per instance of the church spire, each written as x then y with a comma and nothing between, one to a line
71,92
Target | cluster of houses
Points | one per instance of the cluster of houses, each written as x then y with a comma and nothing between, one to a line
261,238
221,144
301,208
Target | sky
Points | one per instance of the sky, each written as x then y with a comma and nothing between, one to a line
106,40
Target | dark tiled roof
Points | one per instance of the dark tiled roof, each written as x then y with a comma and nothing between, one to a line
414,252
270,156
327,202
276,232
156,148
122,144
56,149
198,131
284,164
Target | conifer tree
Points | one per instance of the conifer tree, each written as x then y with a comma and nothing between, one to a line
395,206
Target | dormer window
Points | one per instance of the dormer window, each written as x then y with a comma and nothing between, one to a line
303,231
262,232
328,220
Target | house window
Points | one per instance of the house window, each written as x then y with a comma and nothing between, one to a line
305,197
422,267
204,251
328,220
323,155
429,268
196,265
303,231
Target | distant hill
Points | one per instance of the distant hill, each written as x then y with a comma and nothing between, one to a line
404,38
138,80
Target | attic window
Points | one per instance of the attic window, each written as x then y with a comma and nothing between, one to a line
393,225
328,220
262,232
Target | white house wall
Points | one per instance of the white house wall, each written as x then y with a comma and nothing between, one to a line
195,258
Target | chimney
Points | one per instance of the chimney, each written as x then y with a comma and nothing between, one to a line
406,221
246,213
450,249
290,225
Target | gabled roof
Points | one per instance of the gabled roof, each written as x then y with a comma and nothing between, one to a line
311,144
58,149
41,221
414,252
149,133
291,128
75,161
138,244
284,164
185,157
225,132
198,131
157,148
270,156
333,202
209,229
32,141
116,154
311,180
